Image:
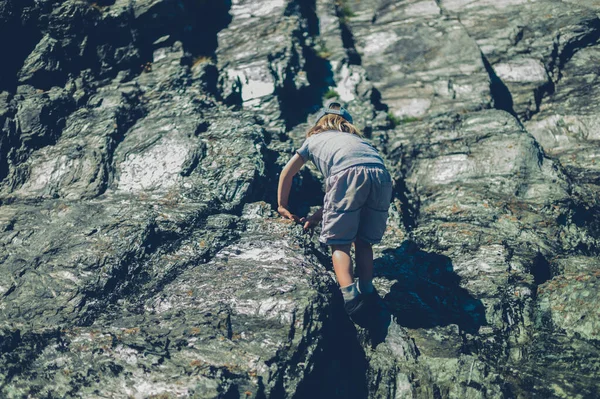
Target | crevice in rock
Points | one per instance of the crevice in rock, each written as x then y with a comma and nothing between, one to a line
348,42
194,23
8,138
587,216
18,20
409,199
307,9
501,96
296,104
375,100
340,368
207,18
539,93
103,3
559,57
408,205
540,269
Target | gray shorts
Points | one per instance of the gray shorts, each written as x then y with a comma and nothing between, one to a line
356,205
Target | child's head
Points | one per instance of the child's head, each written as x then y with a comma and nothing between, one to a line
333,117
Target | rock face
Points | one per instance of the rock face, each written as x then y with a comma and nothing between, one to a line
140,147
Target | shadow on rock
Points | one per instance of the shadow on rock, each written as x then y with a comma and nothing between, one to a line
426,291
379,322
341,367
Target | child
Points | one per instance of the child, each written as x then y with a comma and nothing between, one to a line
357,198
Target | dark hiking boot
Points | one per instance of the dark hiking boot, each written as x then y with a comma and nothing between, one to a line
357,310
372,299
355,305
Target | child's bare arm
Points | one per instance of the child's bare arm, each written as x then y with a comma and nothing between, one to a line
285,185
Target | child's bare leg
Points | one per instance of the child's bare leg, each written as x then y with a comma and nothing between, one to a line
364,265
342,264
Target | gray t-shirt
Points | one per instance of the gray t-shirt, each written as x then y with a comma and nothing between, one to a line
333,151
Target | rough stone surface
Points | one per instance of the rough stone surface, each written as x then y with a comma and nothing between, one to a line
140,147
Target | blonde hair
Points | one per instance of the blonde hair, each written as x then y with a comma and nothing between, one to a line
333,122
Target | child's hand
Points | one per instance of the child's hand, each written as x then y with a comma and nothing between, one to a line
313,220
287,214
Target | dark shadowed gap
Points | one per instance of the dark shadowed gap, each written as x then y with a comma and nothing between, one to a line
306,193
340,369
348,43
308,10
501,96
342,9
408,206
307,189
3,164
19,38
260,394
574,45
204,21
233,392
583,215
376,100
426,291
540,269
586,216
195,23
7,143
296,104
539,93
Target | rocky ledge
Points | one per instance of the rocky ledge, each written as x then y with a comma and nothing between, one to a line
140,148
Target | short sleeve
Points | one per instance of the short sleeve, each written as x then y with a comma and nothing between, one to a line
303,151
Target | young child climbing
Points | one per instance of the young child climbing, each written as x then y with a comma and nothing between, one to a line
358,191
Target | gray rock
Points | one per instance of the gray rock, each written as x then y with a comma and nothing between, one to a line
256,337
420,62
270,67
566,126
140,151
527,44
43,64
